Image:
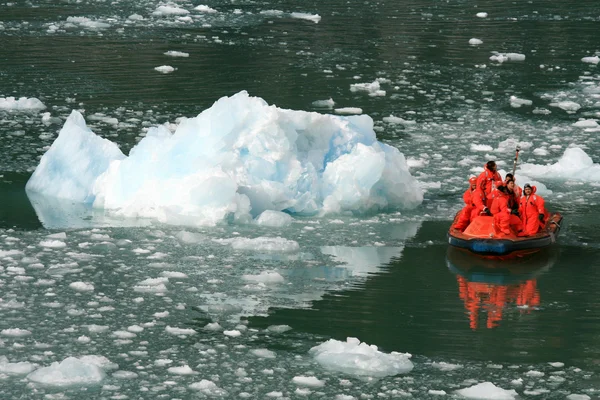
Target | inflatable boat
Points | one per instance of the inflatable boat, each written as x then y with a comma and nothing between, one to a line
482,238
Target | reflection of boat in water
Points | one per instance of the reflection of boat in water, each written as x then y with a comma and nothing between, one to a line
483,238
491,285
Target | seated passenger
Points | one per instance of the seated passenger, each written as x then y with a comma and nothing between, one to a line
465,215
518,191
501,211
513,205
532,211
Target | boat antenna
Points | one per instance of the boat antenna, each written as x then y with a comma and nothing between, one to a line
516,160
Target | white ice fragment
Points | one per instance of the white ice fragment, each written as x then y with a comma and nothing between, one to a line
274,219
124,375
173,53
53,244
212,326
437,392
173,274
586,123
205,9
329,103
398,120
263,353
310,17
481,15
179,331
309,381
591,60
360,359
165,69
208,388
17,368
71,371
516,102
481,147
444,366
232,333
262,243
475,41
279,328
21,104
574,396
182,370
167,10
82,286
504,57
15,332
267,277
487,391
574,164
348,110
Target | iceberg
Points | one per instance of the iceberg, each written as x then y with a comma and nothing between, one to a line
230,163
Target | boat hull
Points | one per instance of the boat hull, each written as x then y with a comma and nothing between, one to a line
487,241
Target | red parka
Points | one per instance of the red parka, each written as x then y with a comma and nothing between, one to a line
487,181
530,208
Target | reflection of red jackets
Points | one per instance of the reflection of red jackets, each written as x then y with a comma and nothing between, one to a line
530,208
487,181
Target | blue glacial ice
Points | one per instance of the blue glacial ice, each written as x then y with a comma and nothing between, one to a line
232,162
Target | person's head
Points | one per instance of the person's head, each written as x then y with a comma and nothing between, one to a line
509,177
473,182
527,189
510,185
502,189
491,165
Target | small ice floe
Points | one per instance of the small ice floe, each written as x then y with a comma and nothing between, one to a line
53,244
569,106
71,371
329,103
487,390
591,60
164,69
17,368
263,353
265,277
574,164
182,370
274,219
173,53
87,23
437,392
152,285
475,41
262,243
82,286
135,17
481,15
481,147
504,57
213,326
15,332
208,388
398,120
167,10
205,9
586,124
179,331
444,366
232,333
309,381
173,274
278,328
348,110
309,17
360,359
516,102
574,396
373,89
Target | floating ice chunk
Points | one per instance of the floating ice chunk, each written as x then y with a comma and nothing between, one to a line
179,331
231,162
274,219
557,364
574,164
360,359
397,120
208,388
166,10
173,53
82,286
310,17
54,244
436,392
574,396
135,17
444,366
124,375
373,88
481,147
475,42
348,110
586,123
99,361
481,15
165,69
21,104
263,353
569,106
173,274
212,326
270,244
182,370
205,9
591,60
487,391
309,381
504,57
232,333
70,371
534,374
516,102
279,328
15,332
18,368
329,103
265,277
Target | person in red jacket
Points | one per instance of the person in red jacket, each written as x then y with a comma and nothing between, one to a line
518,191
487,181
513,205
501,210
465,215
532,211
